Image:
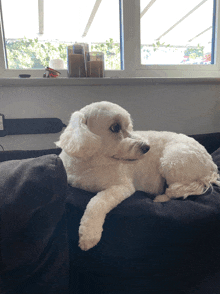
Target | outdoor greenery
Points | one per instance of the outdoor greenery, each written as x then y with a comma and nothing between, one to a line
33,53
194,52
191,53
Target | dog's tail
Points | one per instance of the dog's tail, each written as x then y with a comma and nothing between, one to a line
203,185
197,187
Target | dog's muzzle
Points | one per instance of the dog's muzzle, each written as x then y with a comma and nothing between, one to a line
133,153
143,146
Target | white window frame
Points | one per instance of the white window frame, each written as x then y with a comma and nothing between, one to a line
132,59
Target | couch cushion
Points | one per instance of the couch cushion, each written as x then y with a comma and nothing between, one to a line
33,237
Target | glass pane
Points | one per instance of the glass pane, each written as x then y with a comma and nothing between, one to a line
176,32
39,30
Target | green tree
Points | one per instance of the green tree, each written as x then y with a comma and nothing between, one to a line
33,53
195,52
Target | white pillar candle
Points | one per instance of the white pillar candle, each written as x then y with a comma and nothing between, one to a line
56,64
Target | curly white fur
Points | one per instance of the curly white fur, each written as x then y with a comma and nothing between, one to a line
102,154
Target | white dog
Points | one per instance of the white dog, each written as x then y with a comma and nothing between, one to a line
102,154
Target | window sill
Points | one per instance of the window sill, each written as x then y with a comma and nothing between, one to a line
47,82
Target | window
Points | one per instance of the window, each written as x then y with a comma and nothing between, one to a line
182,35
140,38
42,29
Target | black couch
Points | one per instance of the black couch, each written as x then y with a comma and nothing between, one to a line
146,247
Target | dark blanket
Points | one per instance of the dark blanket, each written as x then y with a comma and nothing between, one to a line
146,247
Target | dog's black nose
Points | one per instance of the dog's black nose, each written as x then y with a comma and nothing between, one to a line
145,148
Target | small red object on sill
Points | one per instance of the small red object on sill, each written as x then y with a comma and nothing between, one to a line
51,73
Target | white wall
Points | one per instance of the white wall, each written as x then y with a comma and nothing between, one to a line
187,108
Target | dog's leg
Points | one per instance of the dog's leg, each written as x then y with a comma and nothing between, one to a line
90,229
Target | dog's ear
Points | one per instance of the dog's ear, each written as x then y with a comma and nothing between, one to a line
77,140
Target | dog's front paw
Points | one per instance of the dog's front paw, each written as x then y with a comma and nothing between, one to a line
88,238
162,198
86,244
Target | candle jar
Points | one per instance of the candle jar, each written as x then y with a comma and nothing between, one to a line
95,64
85,48
76,61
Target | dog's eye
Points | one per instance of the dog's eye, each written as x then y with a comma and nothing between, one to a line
115,128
